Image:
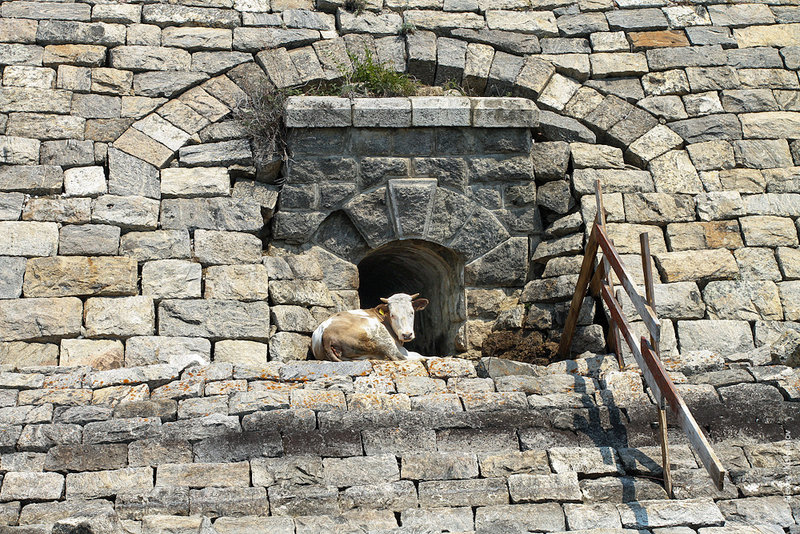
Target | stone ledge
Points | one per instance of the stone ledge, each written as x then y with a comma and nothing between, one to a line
427,111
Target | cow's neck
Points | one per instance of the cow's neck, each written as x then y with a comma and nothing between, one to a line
384,319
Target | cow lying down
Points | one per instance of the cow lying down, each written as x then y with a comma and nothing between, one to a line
373,334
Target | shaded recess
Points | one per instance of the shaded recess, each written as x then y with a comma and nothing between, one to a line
416,266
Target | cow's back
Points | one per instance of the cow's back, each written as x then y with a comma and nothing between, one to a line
354,335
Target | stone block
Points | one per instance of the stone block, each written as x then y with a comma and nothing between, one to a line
673,172
504,113
343,472
99,354
85,181
156,245
743,300
768,231
318,112
558,92
520,517
709,128
128,212
217,247
439,466
303,500
61,210
472,492
162,279
40,319
229,502
612,181
724,336
240,352
300,293
11,206
64,276
236,282
536,488
232,214
671,513
713,234
217,475
440,111
28,238
719,205
214,319
122,317
92,485
39,486
318,400
224,153
382,113
697,265
757,264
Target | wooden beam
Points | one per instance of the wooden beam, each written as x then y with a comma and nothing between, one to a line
690,427
616,314
577,297
647,314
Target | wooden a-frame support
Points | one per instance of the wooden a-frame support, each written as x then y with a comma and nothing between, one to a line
597,279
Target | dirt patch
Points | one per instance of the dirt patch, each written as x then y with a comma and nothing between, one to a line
529,347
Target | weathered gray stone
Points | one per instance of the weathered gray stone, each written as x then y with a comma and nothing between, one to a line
156,245
743,300
726,337
768,231
46,318
33,179
474,492
177,351
122,317
671,513
214,319
620,489
536,488
236,282
303,500
238,215
129,212
39,486
171,279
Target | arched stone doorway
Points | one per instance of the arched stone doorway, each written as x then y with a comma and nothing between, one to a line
417,266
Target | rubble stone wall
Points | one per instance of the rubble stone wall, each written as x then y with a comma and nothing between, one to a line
136,227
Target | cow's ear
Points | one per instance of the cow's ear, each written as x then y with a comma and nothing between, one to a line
382,309
419,304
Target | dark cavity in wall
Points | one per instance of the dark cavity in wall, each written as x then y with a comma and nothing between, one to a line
433,271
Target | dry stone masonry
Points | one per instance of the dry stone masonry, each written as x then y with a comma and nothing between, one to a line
160,278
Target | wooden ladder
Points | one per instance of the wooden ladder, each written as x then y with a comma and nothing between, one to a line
598,280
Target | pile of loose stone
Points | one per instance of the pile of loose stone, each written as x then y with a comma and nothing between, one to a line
440,446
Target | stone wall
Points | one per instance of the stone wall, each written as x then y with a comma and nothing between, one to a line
135,225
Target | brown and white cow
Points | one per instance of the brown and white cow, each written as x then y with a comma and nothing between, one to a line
373,334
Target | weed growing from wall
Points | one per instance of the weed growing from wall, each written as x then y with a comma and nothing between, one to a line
262,113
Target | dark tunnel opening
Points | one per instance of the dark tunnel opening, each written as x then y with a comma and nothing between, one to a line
433,271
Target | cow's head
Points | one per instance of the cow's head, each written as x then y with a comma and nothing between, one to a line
400,308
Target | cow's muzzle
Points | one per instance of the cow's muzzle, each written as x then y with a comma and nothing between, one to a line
407,337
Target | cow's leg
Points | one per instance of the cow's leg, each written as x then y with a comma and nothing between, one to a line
331,352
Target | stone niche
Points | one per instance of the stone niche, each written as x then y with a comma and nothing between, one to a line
429,195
